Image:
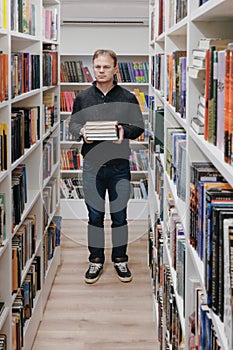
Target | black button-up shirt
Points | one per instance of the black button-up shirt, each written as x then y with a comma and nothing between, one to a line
118,104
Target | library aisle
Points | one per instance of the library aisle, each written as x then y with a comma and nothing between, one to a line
103,316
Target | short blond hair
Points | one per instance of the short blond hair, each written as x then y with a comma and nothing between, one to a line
101,52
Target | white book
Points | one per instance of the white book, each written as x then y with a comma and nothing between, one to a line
205,43
196,72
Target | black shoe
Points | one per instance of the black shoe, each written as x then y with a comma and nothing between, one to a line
94,272
123,272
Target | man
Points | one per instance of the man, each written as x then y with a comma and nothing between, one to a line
106,163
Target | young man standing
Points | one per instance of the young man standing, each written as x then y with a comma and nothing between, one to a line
106,163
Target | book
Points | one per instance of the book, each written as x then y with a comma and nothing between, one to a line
101,130
218,215
207,86
228,280
205,43
197,125
220,98
196,72
228,110
209,81
214,198
182,87
158,127
87,74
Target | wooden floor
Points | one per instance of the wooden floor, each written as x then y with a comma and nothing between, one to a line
106,315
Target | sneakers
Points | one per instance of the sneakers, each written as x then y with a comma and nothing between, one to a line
123,272
94,272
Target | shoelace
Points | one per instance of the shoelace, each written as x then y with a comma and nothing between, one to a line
122,266
94,267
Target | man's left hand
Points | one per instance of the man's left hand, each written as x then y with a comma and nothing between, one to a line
121,135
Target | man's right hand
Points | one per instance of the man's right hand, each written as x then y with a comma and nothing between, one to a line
83,133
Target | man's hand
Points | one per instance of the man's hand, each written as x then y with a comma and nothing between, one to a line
83,133
121,135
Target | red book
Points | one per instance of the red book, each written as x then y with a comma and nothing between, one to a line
87,75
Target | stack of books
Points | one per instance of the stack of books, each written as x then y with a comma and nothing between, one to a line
101,130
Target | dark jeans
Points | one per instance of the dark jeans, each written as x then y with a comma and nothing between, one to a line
114,178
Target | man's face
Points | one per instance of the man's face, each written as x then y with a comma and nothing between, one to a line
104,69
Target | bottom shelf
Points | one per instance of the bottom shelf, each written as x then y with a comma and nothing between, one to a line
76,209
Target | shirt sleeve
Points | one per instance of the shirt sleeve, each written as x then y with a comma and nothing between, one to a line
76,122
135,127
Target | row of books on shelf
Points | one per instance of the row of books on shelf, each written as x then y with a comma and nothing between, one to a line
25,130
50,67
25,72
138,160
127,72
72,188
51,240
176,81
176,159
74,71
202,333
156,121
24,302
25,127
67,100
71,159
165,291
19,193
23,16
213,60
173,73
132,72
3,146
23,248
50,199
211,203
50,155
177,248
50,111
4,76
50,23
25,291
177,10
157,72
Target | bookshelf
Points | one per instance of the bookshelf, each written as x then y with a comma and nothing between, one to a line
30,166
178,268
74,208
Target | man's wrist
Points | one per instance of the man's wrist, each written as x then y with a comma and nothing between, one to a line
81,132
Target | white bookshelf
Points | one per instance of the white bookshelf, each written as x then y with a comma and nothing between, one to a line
11,40
212,19
75,208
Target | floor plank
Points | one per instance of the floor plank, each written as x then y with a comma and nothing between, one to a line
103,316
